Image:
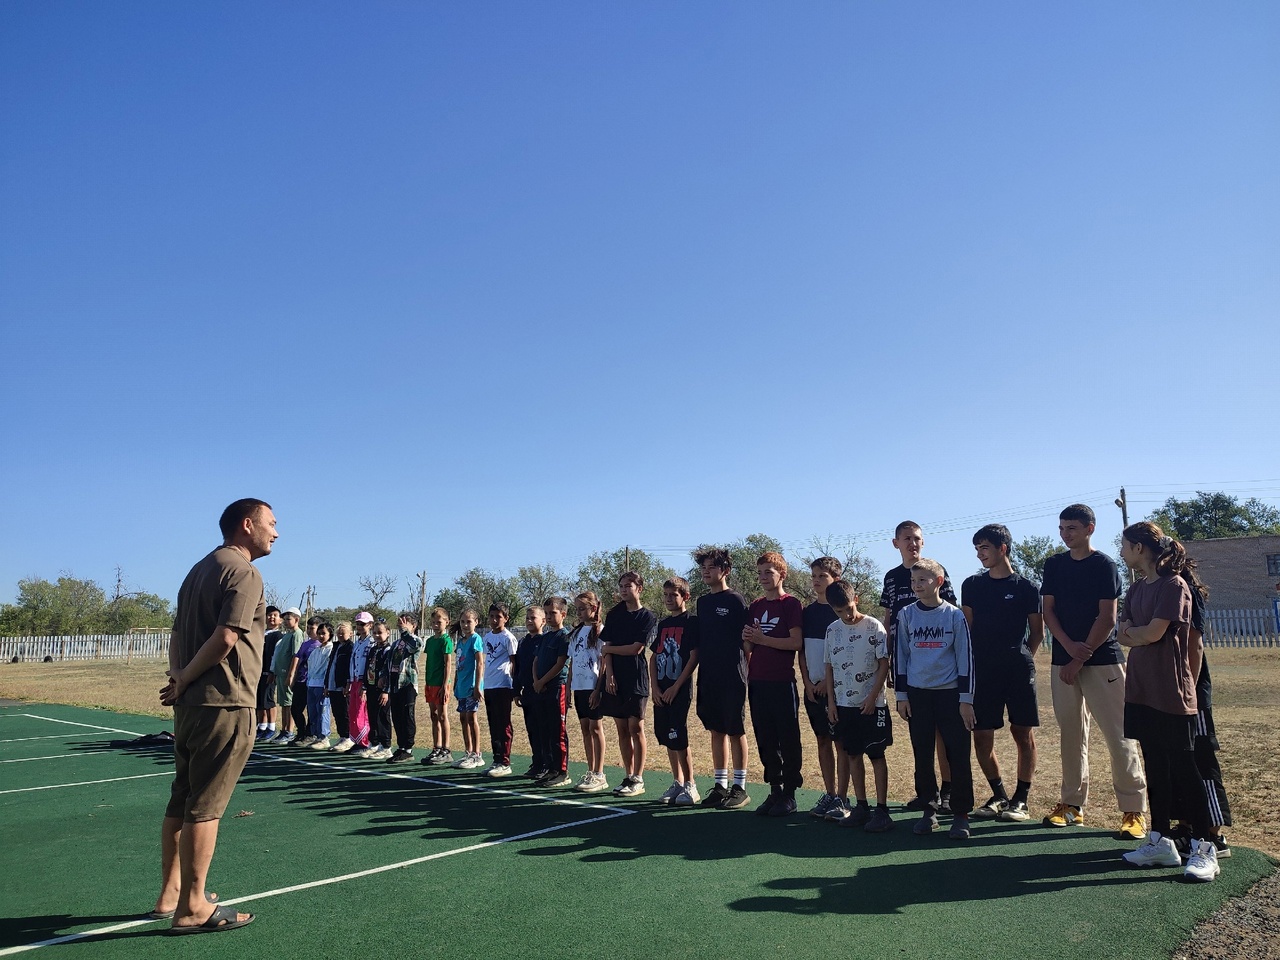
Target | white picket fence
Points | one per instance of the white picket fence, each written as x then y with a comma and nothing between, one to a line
1240,628
126,647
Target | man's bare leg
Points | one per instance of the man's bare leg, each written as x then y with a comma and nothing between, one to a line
196,844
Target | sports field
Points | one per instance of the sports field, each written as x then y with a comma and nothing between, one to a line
342,857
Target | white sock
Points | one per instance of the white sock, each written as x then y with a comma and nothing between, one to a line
739,778
722,778
271,727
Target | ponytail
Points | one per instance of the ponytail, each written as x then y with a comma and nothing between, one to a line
1170,555
587,595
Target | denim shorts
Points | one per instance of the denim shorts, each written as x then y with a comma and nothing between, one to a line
468,704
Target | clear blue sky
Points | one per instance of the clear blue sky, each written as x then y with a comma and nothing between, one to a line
462,284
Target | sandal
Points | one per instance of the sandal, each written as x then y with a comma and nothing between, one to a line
222,918
170,914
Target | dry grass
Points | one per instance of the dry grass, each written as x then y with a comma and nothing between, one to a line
1246,710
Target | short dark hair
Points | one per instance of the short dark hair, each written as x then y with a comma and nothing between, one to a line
237,513
410,616
631,577
501,608
314,621
679,584
828,565
717,556
996,534
1078,511
906,525
271,608
842,593
556,603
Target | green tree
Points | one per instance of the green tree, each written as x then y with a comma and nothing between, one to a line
477,588
859,569
1030,553
600,571
72,606
743,554
538,581
1207,516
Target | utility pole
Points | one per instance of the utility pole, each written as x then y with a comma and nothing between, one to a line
626,558
1123,503
422,597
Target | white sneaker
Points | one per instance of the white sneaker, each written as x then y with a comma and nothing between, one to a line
499,770
583,781
472,761
1202,865
687,797
321,744
384,753
596,784
632,787
1157,851
343,745
673,791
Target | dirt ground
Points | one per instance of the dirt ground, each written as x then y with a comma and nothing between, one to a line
1246,691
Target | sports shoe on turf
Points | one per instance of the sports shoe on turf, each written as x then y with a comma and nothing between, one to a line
1064,815
1133,826
617,791
784,806
1203,863
264,735
1015,811
305,741
736,799
343,745
838,811
859,814
927,823
991,809
824,805
400,756
959,828
582,781
716,796
671,792
321,743
944,803
533,773
384,753
499,770
287,736
880,821
1158,851
362,753
474,762
916,804
773,798
632,789
687,797
555,780
597,784
1220,847
442,758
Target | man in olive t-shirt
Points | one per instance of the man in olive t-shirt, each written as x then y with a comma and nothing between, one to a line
215,660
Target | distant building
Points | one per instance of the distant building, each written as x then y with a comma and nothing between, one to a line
1243,573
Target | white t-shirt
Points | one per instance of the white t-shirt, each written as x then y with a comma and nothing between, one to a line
854,652
499,648
584,660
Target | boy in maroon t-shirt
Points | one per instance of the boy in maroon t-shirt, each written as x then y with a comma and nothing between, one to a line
773,634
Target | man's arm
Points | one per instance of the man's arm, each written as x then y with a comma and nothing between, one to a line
792,641
1144,636
882,675
1195,652
475,687
211,653
1035,631
1056,630
1101,629
540,683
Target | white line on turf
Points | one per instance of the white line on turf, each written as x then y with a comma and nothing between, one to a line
57,756
346,768
72,723
88,783
53,736
326,882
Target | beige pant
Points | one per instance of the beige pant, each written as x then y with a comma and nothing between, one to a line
1097,692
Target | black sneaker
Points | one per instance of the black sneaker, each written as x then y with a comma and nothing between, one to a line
533,773
400,756
626,782
880,821
715,796
769,803
992,809
784,806
916,805
736,799
1015,811
555,779
960,828
926,824
859,815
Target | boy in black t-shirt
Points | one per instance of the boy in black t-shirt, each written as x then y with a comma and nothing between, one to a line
624,681
522,685
675,655
722,677
1006,629
823,572
1080,596
909,540
550,701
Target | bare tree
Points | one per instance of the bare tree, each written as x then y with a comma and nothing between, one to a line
276,597
379,586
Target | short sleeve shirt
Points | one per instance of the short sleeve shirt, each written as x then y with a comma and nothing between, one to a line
499,651
721,617
1001,608
554,645
623,627
775,618
1159,674
676,639
438,648
223,590
854,652
1077,587
464,676
584,659
817,617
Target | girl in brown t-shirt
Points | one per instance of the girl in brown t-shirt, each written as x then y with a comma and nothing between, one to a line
1160,696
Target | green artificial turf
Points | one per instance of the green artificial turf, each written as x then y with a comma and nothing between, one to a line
618,878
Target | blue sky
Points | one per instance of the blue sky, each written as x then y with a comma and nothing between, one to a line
459,285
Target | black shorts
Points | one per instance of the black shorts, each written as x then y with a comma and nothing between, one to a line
266,693
1155,729
817,711
630,707
863,734
722,704
582,706
1005,680
671,721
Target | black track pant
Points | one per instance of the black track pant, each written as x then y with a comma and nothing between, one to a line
940,710
298,710
338,704
404,716
379,720
532,726
551,707
1173,773
775,715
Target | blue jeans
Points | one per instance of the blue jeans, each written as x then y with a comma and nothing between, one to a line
317,712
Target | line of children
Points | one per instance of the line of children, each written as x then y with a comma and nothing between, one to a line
585,667
548,699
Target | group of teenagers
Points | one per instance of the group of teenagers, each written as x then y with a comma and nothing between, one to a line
954,667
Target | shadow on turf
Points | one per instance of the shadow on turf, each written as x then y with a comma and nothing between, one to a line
25,930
